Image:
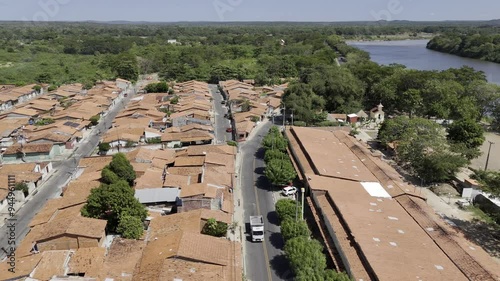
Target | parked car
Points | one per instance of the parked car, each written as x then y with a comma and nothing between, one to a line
289,190
223,102
229,130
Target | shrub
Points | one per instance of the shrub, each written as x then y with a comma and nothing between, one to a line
130,227
37,88
154,140
94,120
214,228
232,143
104,147
52,88
299,123
23,187
44,121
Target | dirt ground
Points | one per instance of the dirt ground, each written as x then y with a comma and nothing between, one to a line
494,163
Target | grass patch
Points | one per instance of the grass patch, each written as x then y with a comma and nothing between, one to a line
480,215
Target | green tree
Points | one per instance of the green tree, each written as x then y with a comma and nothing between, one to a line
108,176
331,275
280,172
104,147
275,140
122,168
214,228
111,201
291,229
468,132
271,154
303,101
130,227
287,209
127,67
305,254
422,147
486,95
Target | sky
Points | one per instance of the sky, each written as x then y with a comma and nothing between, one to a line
248,10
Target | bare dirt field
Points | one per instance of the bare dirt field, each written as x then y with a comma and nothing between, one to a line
494,163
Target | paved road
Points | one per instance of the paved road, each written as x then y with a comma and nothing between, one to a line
60,177
221,123
263,261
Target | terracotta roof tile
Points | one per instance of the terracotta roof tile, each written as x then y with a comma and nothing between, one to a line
88,261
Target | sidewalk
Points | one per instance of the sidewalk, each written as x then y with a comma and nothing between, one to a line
445,207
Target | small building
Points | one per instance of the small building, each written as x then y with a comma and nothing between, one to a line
123,84
362,116
156,196
377,113
30,152
70,233
336,117
352,118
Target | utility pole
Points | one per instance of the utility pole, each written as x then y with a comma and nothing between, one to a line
303,191
488,157
284,115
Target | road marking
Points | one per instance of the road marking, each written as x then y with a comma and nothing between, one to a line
264,246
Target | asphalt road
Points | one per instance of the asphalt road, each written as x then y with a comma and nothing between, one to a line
263,261
221,123
59,178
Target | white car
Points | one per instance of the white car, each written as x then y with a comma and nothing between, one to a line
289,190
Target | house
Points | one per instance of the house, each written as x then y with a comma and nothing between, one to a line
193,137
70,233
362,116
336,117
352,118
123,84
30,152
377,113
11,96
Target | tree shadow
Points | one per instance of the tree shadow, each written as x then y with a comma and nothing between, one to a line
272,218
263,183
486,235
259,170
259,154
281,267
276,240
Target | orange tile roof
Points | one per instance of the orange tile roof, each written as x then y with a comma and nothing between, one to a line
189,161
52,263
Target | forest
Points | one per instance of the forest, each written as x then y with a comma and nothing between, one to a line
478,46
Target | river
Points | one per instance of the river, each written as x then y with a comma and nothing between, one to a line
414,54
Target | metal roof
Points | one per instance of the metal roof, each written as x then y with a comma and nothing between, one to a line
155,195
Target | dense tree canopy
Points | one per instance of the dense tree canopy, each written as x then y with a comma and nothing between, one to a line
478,46
421,146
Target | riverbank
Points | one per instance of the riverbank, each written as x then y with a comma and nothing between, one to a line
395,37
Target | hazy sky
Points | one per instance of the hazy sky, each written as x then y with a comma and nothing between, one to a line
248,10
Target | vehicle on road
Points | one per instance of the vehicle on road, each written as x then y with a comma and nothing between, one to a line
257,228
229,130
289,190
223,102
